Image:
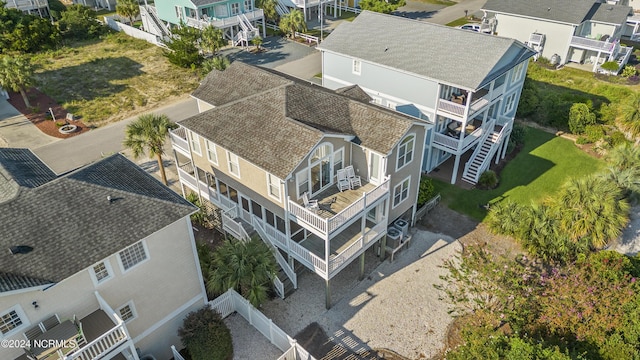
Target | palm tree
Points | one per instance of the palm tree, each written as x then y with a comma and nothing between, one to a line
16,74
246,267
148,133
212,39
257,41
590,211
292,22
630,119
624,170
128,8
269,8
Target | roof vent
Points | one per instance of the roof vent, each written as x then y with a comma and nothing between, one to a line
549,9
20,249
109,199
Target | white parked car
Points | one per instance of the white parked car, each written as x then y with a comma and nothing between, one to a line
472,27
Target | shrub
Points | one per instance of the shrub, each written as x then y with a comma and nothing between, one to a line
199,217
59,124
426,191
205,336
528,99
488,180
610,66
593,133
617,138
629,71
607,113
581,140
579,117
79,22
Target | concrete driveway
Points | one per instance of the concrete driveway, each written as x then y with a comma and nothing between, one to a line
17,131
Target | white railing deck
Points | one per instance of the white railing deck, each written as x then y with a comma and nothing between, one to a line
592,44
341,260
326,226
26,4
233,227
102,345
179,141
452,143
222,23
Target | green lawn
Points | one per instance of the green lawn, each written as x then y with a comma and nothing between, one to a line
112,78
543,165
458,22
439,2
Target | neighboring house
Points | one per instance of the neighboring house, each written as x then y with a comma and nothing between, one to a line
263,142
98,4
464,84
237,18
103,258
34,7
578,31
310,8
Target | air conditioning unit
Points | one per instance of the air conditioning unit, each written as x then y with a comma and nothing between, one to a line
394,236
402,225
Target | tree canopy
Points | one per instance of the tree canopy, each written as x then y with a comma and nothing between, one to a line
16,74
25,33
381,6
79,22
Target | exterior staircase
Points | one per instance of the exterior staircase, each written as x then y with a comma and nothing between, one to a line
248,31
281,8
157,26
481,157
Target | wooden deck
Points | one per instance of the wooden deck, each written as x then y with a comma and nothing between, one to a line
331,201
339,243
96,324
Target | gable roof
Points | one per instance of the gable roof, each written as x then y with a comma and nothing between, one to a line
454,56
567,11
354,92
277,128
21,168
71,225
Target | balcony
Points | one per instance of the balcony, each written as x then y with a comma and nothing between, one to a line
343,248
451,140
26,5
456,108
592,44
179,141
222,23
187,177
337,208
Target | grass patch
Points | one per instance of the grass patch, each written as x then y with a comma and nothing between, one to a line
458,22
112,78
347,15
544,164
318,75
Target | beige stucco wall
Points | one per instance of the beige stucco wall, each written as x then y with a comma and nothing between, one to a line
157,286
557,35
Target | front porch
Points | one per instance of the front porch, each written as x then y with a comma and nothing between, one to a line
444,171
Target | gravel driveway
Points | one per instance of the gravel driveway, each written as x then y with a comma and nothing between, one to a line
629,241
396,307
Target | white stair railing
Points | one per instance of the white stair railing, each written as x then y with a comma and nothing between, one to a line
291,274
495,140
234,227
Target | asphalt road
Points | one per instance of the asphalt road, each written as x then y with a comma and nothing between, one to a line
63,156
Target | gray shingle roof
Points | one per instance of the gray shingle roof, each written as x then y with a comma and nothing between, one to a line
71,225
276,129
459,57
11,282
354,92
567,11
21,168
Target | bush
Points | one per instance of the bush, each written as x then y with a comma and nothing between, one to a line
608,113
610,66
205,336
488,180
528,99
79,22
579,117
426,191
629,71
593,133
617,138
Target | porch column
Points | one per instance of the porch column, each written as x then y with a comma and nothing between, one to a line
506,144
595,64
264,28
328,294
132,349
361,267
455,170
383,247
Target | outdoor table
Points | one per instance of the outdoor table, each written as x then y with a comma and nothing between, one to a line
64,331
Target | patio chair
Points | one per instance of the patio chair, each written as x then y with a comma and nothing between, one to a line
343,182
33,332
310,204
50,322
354,179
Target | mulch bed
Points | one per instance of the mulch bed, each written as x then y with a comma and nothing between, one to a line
42,103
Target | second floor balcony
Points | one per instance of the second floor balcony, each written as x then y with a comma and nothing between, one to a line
26,5
606,46
225,22
460,104
337,209
179,141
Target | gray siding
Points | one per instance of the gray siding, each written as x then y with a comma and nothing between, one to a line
557,36
410,88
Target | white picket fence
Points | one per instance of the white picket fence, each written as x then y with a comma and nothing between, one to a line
230,302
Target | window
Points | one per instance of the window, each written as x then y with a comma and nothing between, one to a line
12,320
273,186
516,75
401,192
195,143
101,272
357,65
234,165
302,179
391,105
211,152
127,312
179,14
235,9
510,103
248,5
133,255
337,161
376,100
405,151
